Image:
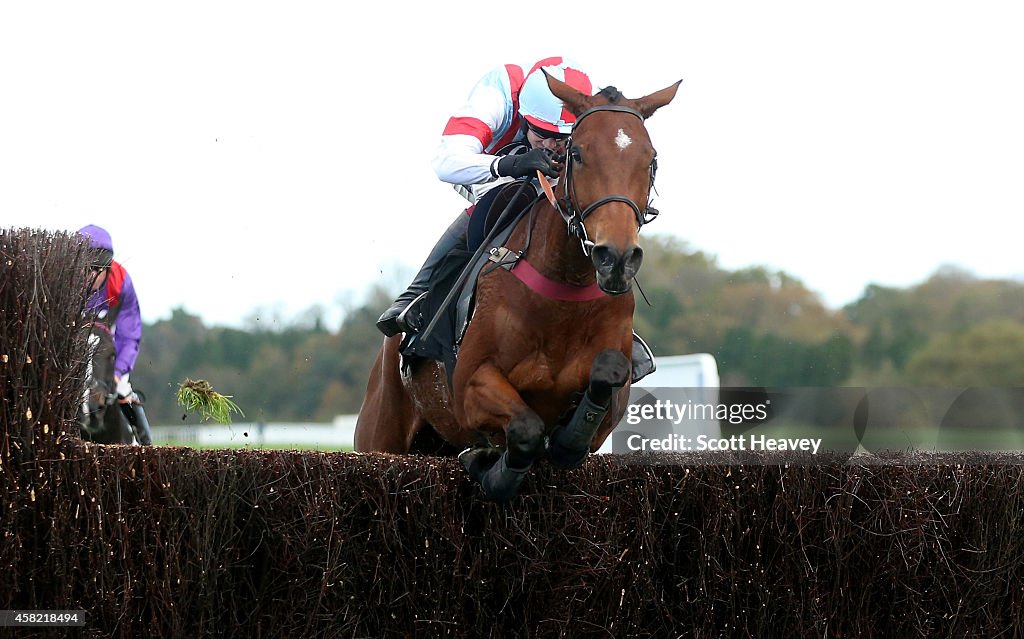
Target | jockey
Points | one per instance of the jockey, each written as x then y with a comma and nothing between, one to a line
510,127
113,300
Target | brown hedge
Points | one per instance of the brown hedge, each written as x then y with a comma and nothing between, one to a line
172,542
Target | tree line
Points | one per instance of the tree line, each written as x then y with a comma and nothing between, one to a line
764,327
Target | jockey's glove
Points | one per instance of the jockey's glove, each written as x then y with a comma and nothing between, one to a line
527,164
124,387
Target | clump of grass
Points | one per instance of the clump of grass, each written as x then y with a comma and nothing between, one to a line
198,396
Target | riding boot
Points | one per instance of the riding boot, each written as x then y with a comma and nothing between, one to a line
642,359
135,415
396,319
143,433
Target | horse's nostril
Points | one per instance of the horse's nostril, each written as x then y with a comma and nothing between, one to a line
604,258
632,260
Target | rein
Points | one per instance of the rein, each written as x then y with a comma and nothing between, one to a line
99,325
568,208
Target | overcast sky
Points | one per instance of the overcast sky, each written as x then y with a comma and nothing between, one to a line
275,156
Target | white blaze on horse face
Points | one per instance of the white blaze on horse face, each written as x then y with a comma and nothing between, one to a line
622,140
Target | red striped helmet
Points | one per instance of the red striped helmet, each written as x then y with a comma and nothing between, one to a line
539,106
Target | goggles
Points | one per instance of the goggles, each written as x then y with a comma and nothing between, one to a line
101,259
547,135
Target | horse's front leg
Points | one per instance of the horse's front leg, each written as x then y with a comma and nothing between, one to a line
492,402
570,444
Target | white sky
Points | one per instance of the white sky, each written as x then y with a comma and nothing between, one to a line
256,155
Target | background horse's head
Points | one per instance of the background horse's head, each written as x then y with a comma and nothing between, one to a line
609,172
99,420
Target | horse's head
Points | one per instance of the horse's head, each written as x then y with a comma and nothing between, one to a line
609,172
99,377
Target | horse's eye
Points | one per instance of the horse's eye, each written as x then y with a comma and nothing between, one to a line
574,152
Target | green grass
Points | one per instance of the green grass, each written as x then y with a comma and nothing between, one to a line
921,440
842,439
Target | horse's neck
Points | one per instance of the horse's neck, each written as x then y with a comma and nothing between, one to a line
554,252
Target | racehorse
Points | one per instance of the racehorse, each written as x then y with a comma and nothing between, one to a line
100,420
543,368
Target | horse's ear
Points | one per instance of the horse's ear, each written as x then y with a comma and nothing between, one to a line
648,104
573,99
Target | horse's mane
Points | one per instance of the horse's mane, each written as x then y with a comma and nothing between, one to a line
610,93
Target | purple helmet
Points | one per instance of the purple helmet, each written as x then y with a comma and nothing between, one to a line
102,245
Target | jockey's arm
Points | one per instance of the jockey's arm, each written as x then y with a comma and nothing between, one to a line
127,331
460,159
462,156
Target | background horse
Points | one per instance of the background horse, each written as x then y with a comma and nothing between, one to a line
544,366
100,419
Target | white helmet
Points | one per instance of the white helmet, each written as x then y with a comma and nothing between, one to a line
540,107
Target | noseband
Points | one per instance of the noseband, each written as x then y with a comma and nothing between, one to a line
568,208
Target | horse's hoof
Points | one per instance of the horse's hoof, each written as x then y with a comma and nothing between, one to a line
478,461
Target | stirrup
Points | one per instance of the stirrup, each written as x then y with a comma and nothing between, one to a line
642,360
408,321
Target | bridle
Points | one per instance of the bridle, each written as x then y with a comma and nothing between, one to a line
568,207
108,396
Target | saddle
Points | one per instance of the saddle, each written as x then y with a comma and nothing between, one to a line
493,218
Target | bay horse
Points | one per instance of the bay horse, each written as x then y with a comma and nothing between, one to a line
540,373
99,419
